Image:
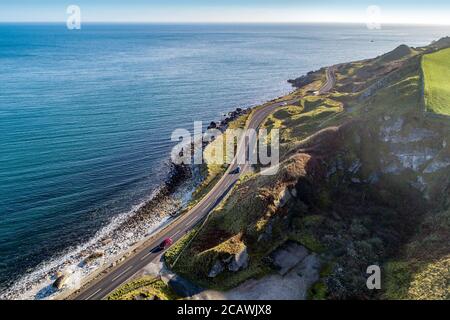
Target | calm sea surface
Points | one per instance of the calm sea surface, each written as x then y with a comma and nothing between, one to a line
86,116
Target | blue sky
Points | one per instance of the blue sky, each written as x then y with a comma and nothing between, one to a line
392,11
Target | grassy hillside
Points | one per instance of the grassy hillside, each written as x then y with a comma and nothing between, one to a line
436,70
364,179
423,272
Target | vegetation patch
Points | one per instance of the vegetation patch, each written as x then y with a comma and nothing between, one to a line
296,122
212,170
351,187
424,271
145,288
177,248
318,291
436,71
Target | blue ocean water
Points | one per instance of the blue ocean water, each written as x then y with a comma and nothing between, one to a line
86,115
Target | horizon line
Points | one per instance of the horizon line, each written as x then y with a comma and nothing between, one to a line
229,22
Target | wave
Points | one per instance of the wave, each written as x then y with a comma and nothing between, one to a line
108,244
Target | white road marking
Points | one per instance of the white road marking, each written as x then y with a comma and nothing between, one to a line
121,274
149,253
191,220
177,233
93,294
207,198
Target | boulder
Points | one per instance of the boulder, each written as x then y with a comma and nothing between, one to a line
60,281
93,256
212,125
284,197
139,297
107,241
216,269
267,234
239,261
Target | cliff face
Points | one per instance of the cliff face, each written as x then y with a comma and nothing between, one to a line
364,180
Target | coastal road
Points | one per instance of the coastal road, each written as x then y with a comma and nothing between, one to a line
100,288
107,283
331,80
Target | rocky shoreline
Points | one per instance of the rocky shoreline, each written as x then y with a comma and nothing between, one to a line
229,117
51,279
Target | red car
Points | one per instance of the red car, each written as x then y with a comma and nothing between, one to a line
166,243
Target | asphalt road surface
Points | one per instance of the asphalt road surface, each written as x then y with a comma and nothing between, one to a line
331,80
106,284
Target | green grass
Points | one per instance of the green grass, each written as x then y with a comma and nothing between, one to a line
436,70
175,250
221,237
246,212
248,217
297,122
194,265
212,171
417,280
318,291
397,281
307,240
144,288
303,232
423,272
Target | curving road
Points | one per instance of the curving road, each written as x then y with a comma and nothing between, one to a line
107,283
331,80
102,287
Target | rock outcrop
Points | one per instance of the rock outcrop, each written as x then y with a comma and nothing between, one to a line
239,261
61,281
216,269
305,80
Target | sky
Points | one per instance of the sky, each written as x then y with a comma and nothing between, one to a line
229,11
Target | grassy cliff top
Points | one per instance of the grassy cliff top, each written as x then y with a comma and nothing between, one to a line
364,179
436,71
359,167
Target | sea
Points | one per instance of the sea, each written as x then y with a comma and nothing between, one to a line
86,116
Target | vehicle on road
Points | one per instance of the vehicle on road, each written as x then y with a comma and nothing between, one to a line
107,284
236,171
166,243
